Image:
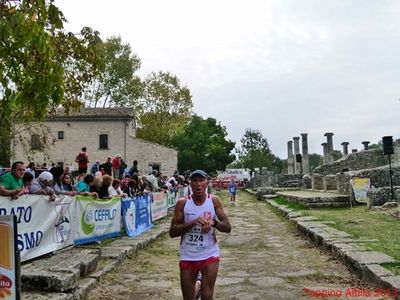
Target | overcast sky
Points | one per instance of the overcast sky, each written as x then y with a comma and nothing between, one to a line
279,66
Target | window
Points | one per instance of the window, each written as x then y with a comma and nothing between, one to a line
103,141
61,135
35,142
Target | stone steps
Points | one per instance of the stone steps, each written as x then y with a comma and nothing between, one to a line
71,273
312,199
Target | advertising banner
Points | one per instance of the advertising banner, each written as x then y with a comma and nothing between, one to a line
172,196
136,214
360,187
96,219
159,205
8,259
43,226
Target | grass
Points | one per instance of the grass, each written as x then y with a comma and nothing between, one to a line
361,223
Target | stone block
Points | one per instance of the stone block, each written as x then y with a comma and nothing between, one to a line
355,259
329,182
316,181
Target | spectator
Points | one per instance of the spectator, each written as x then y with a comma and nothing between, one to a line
132,188
42,185
150,169
83,187
134,169
82,159
11,182
95,167
107,166
31,169
27,181
152,179
116,164
57,184
67,171
66,183
97,182
103,190
122,169
115,189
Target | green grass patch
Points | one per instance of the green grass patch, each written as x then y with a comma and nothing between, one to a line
361,223
292,205
394,267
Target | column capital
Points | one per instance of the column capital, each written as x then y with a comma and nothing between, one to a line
328,134
345,143
296,138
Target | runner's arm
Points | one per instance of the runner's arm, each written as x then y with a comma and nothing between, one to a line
178,227
222,224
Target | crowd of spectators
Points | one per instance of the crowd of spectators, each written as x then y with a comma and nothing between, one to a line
103,181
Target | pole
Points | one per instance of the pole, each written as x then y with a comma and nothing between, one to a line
391,180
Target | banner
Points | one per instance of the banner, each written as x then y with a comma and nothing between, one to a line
43,226
159,205
96,219
172,196
136,214
8,259
360,187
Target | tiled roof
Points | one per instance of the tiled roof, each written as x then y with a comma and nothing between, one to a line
95,114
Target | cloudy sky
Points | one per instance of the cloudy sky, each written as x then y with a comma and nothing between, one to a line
283,67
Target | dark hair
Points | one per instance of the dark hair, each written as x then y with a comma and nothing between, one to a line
57,173
14,165
27,177
31,164
135,162
84,149
88,178
116,182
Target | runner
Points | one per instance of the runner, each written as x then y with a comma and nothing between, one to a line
232,187
196,218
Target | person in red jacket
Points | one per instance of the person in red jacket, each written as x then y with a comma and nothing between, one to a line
83,160
116,164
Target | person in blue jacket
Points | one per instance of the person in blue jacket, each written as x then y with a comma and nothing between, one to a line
232,188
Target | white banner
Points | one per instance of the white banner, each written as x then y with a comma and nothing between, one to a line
159,205
43,226
96,219
360,187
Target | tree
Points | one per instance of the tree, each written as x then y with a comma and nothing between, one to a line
167,108
35,74
203,145
117,84
314,160
254,151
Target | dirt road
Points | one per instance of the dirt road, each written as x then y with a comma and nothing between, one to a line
262,258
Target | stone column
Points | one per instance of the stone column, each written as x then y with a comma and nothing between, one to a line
365,143
345,148
304,150
353,150
325,150
297,166
329,146
290,159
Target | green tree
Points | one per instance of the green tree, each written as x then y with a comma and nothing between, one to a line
167,108
117,84
254,151
314,160
203,144
336,154
35,74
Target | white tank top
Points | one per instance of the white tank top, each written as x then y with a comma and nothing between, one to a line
195,245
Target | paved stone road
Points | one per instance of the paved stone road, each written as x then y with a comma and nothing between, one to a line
262,258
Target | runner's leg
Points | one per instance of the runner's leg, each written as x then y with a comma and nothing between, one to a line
209,272
188,283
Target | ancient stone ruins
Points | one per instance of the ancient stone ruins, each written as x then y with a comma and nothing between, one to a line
329,185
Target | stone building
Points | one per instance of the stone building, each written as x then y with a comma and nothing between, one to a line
106,132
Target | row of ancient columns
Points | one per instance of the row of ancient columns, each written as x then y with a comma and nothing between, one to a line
299,163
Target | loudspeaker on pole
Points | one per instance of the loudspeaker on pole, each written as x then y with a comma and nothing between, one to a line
387,145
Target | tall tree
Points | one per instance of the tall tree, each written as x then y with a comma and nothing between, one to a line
314,160
167,108
254,151
35,74
117,85
203,144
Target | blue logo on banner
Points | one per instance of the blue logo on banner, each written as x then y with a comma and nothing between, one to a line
136,214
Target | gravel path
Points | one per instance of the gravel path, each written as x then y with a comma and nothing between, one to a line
262,258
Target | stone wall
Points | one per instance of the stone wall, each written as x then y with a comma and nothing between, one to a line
367,159
121,140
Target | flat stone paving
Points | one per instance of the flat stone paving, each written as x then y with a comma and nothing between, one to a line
262,258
